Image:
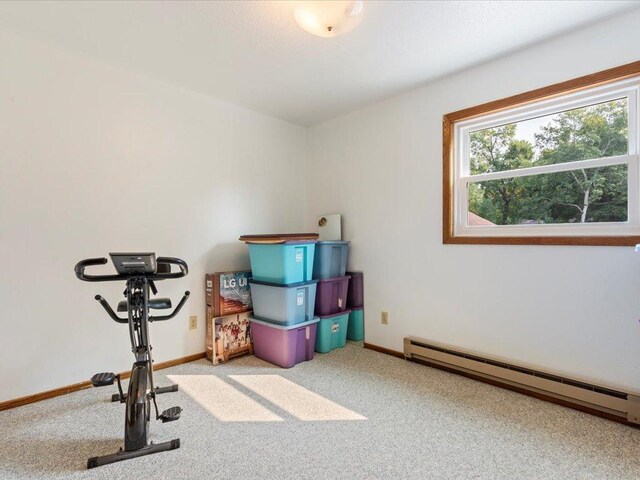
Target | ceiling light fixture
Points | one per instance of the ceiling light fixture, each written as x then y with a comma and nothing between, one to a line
329,18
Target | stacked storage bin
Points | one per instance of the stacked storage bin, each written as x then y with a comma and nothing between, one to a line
355,303
329,267
283,326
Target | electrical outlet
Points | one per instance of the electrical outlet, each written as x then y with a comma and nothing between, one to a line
384,318
193,322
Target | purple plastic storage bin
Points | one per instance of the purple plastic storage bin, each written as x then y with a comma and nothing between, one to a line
284,345
331,295
355,295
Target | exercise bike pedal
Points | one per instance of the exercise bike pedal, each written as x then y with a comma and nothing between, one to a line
116,397
170,415
103,379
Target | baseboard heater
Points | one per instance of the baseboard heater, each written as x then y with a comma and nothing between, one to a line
613,403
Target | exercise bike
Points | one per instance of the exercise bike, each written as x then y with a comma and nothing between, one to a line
139,271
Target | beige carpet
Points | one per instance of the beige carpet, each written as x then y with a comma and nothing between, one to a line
352,413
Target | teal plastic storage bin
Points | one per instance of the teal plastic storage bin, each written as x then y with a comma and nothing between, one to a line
282,263
330,258
355,330
283,304
332,332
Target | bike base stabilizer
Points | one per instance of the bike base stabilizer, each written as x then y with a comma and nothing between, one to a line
124,455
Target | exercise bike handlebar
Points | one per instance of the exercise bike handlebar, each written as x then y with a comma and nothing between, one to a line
158,318
109,310
184,269
82,264
175,311
163,272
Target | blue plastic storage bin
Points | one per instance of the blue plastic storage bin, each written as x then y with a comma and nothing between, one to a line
332,331
330,258
355,329
283,263
284,305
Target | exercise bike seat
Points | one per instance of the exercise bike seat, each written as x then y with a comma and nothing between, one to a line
155,303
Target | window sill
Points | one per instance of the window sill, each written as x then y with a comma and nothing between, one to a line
611,241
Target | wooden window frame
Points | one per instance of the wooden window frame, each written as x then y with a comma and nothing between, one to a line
448,141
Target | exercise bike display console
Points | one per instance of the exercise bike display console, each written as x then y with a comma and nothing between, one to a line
140,271
132,263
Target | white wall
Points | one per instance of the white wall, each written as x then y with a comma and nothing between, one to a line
95,159
574,310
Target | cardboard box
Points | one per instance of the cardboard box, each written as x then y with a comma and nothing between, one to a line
228,337
210,337
228,293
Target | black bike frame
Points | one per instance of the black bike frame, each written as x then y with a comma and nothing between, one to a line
138,302
138,318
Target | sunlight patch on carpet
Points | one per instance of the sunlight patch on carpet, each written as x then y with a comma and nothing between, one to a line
222,400
295,399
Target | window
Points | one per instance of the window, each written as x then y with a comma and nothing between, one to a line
558,165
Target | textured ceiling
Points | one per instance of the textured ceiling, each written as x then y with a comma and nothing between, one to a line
253,54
